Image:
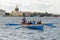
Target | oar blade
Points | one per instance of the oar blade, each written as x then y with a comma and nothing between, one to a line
50,24
18,27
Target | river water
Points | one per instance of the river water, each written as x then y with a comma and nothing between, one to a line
10,33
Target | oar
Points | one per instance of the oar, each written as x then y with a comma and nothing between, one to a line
8,24
18,27
50,24
47,24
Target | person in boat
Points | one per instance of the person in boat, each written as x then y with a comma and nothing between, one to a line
39,22
27,22
34,22
23,21
30,22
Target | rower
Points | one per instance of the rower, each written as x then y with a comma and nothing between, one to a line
39,22
34,22
30,22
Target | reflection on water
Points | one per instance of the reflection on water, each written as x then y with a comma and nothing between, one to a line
10,33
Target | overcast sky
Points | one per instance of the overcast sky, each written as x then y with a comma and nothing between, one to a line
52,6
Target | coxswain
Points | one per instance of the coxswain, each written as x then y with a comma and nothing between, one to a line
23,21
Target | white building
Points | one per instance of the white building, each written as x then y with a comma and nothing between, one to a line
2,12
16,12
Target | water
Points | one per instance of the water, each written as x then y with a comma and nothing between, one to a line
10,33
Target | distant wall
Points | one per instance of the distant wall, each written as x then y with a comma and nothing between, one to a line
7,14
2,12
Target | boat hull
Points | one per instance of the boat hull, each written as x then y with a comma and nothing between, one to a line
36,27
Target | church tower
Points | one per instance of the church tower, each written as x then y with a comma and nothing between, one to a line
16,9
16,12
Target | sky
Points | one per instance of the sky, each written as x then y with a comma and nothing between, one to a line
50,6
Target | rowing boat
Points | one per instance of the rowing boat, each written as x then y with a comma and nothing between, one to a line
31,26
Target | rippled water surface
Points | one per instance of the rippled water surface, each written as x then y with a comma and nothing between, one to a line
10,33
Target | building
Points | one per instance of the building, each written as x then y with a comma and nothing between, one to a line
2,12
16,12
56,15
26,14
